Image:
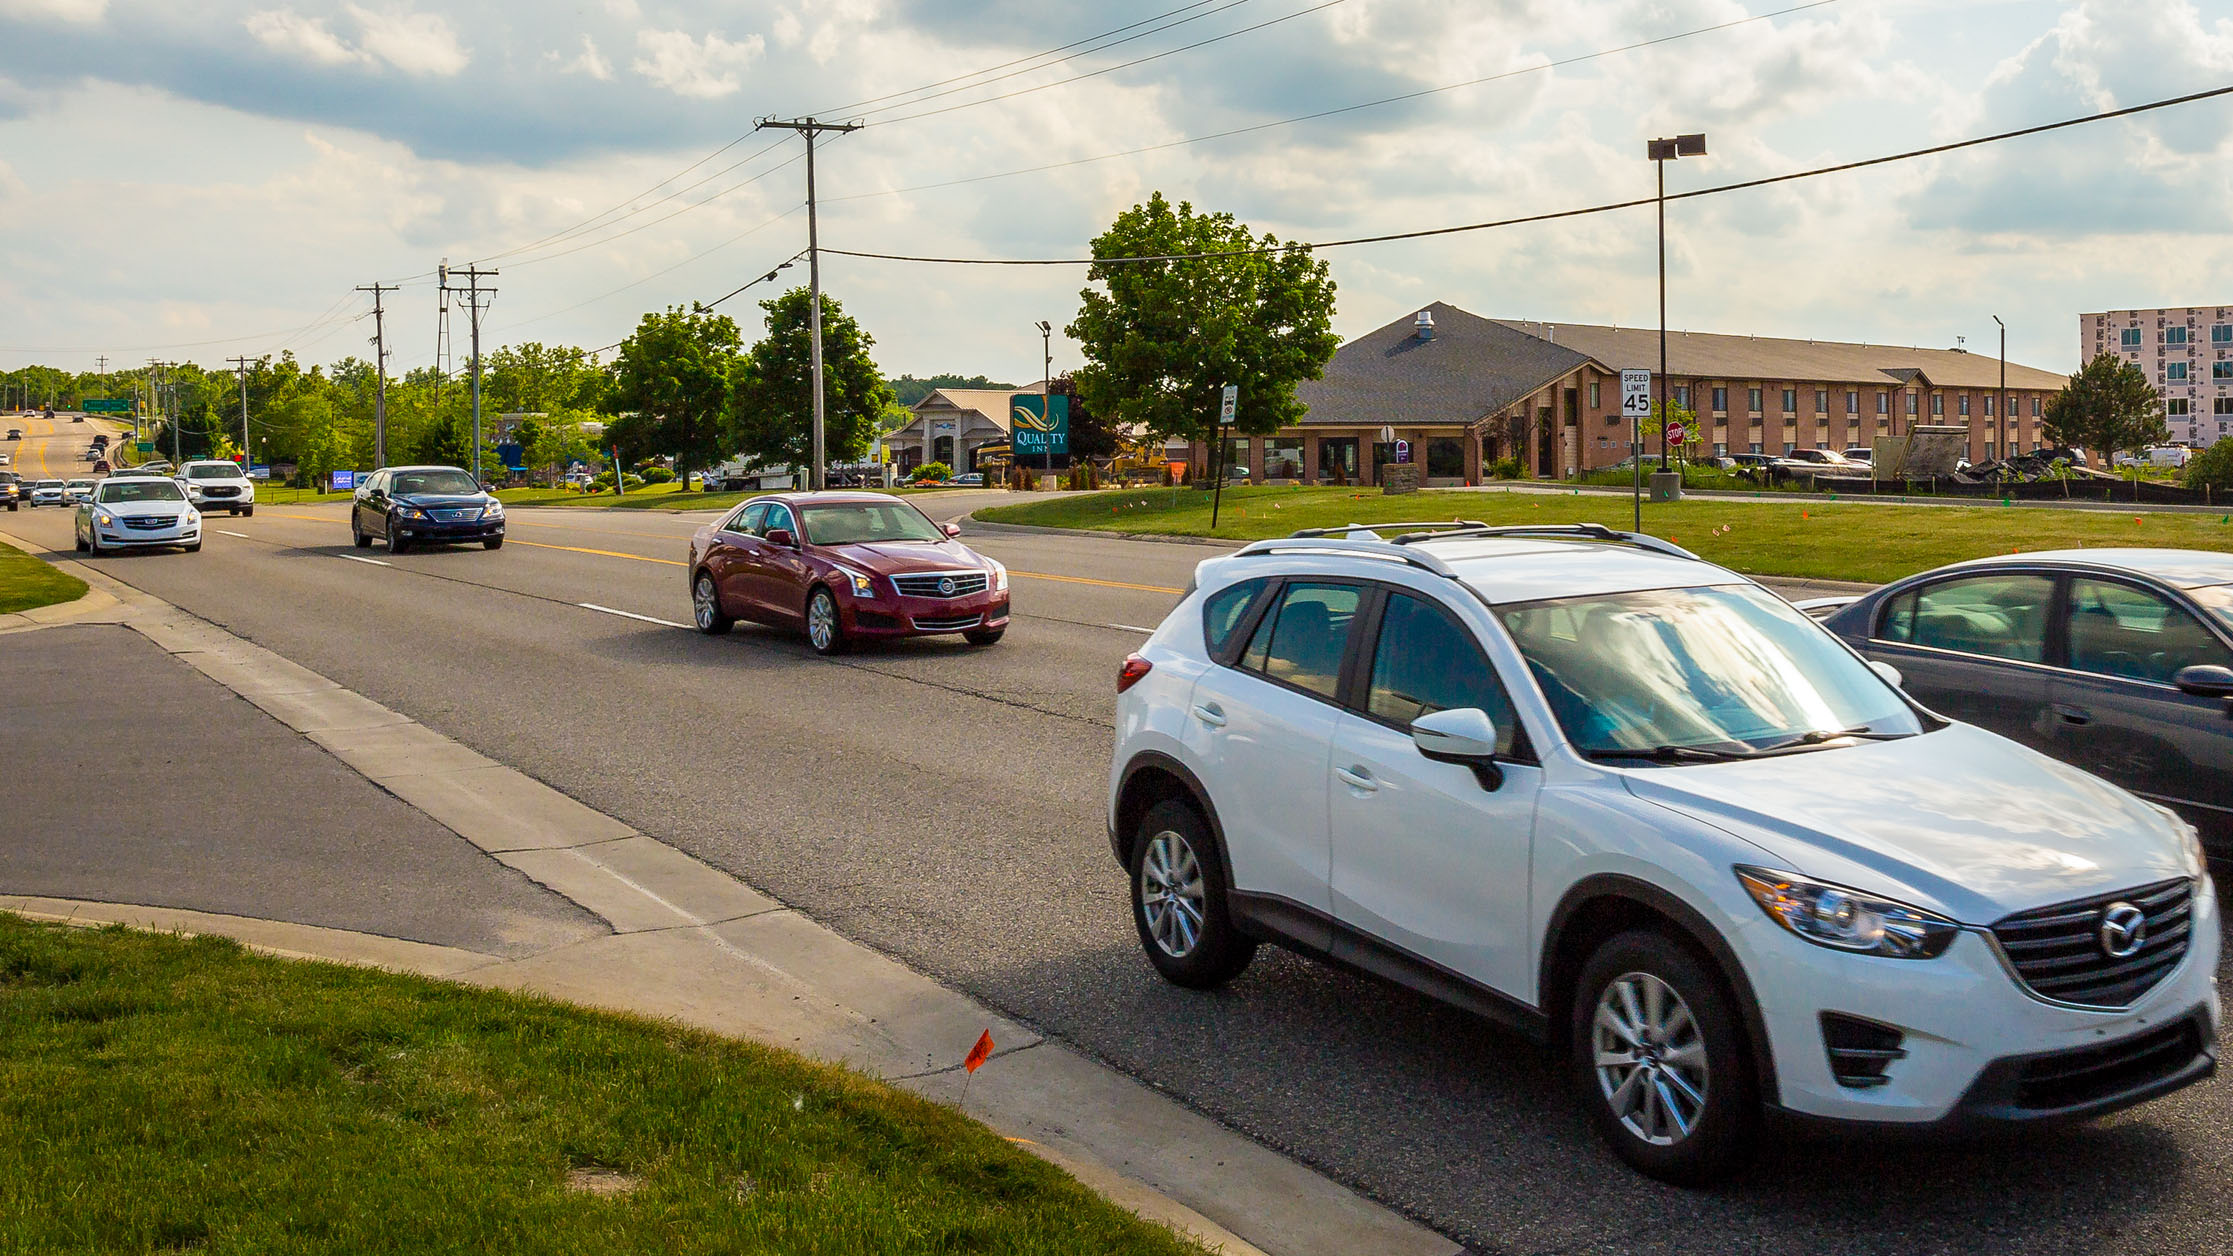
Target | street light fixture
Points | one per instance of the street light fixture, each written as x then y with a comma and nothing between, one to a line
1660,152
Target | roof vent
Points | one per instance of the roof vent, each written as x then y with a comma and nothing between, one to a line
1424,325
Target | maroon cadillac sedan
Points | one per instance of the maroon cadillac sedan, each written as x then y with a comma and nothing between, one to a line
845,567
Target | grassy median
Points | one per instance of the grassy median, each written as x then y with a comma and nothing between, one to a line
169,1094
27,583
1811,539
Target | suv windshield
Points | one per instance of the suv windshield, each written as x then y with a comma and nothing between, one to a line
139,491
439,483
855,522
1728,670
213,471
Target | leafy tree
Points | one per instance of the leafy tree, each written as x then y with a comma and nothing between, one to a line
2212,468
535,378
772,410
908,390
1091,434
1165,337
2108,406
670,386
1653,424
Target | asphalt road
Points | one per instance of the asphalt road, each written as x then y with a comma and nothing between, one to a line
945,804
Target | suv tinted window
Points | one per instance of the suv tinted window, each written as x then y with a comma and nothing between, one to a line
1426,662
1301,642
1998,616
2127,632
1223,611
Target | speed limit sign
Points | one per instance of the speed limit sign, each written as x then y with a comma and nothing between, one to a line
1635,394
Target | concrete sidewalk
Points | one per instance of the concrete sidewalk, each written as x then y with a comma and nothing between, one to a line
632,924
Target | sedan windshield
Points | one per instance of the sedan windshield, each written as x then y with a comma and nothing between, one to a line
853,523
150,490
1668,673
213,471
435,483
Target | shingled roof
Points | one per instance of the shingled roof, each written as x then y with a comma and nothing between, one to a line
1708,355
1473,367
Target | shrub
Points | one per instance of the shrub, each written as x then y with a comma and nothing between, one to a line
1505,469
658,475
934,471
1083,477
2212,468
1022,480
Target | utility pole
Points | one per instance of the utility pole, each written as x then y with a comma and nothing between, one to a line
154,397
473,292
380,364
248,459
809,128
2002,422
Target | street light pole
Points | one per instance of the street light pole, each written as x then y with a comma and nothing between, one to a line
1660,152
1046,397
2001,424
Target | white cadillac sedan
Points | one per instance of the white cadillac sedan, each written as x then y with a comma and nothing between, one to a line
134,512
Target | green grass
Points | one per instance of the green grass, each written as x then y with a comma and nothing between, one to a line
1810,538
26,583
282,495
168,1094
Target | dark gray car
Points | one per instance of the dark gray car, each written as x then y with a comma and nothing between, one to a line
2117,660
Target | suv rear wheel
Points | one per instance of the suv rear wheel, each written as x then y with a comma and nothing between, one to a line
1178,900
1658,1059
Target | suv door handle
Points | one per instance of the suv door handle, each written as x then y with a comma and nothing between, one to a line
2077,717
1358,778
1210,713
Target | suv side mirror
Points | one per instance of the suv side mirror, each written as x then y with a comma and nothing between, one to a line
782,537
2205,680
1465,735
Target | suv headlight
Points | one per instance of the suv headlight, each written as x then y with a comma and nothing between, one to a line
1848,920
863,586
495,510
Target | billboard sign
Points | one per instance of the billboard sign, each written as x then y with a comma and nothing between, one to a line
1039,424
344,480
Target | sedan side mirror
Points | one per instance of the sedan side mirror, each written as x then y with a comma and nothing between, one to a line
953,529
1888,673
782,537
2205,680
1465,735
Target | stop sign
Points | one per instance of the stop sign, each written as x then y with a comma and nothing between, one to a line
1675,434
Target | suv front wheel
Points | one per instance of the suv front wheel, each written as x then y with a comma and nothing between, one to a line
1178,900
1658,1059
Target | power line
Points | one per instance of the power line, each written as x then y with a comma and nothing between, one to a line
1122,65
1425,233
860,104
1329,113
695,257
643,226
590,224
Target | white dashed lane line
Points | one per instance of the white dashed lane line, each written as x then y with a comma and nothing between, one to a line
607,610
373,561
1131,628
221,532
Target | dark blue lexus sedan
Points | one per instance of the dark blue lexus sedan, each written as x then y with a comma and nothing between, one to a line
406,506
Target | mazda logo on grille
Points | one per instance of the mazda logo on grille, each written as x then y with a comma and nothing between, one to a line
2123,928
946,586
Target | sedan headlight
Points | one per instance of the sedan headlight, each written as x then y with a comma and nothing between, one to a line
191,518
107,521
999,577
1848,920
863,586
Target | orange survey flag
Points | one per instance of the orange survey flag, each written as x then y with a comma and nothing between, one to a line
979,1053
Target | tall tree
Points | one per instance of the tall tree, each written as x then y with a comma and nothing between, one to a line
772,411
1166,336
670,387
2108,406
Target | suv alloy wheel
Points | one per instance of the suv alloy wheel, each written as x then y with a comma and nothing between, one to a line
1178,900
1658,1059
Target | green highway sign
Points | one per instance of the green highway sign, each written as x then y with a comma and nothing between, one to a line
146,446
106,405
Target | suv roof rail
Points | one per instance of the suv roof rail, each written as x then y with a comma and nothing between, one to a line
1580,531
1315,541
1372,530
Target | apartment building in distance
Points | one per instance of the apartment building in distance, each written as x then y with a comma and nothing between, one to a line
2186,353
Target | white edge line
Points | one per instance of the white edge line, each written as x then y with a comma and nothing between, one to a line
242,535
1131,628
374,561
607,610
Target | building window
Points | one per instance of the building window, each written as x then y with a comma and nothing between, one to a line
1961,405
1721,400
1789,448
1790,401
2175,408
1752,401
1283,458
2035,407
2221,405
2131,337
2174,371
1682,396
1883,402
1821,401
1988,405
1911,402
1236,451
1938,405
2174,335
1445,458
1852,403
2221,334
2221,371
1594,404
1988,449
1721,449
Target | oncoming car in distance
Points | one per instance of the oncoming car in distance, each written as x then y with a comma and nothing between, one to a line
137,512
844,567
409,506
219,485
1639,807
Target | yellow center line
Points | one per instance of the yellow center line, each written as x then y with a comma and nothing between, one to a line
575,549
1106,584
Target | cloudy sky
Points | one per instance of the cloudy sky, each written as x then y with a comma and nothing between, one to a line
195,181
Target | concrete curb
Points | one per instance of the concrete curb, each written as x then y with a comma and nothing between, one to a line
693,944
94,603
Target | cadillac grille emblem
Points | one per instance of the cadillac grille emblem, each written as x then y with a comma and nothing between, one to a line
946,586
2123,929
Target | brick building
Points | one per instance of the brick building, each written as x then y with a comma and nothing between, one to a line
2187,354
1467,391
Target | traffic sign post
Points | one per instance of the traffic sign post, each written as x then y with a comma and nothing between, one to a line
1635,402
1228,404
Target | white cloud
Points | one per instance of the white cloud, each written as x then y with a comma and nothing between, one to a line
625,10
590,62
79,12
700,69
289,32
415,43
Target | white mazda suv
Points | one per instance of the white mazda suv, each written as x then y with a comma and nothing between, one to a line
1643,809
